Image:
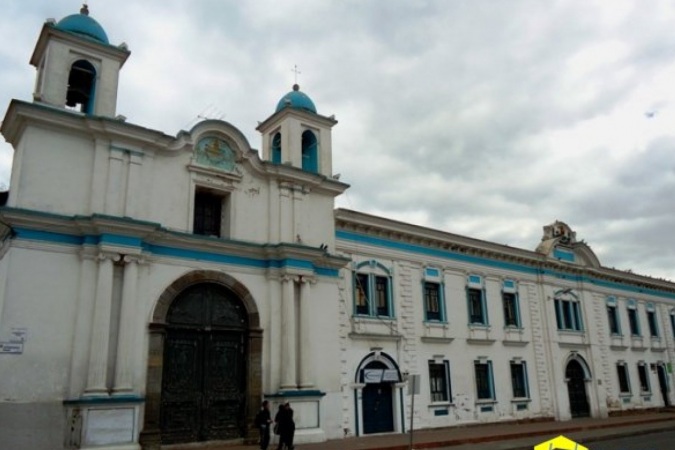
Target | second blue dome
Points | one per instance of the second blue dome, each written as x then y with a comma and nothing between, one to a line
296,99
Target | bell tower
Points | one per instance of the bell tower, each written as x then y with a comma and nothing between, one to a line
77,68
297,135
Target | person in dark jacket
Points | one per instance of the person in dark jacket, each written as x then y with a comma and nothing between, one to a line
263,421
285,426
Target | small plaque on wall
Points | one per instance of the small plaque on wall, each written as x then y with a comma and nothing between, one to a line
109,426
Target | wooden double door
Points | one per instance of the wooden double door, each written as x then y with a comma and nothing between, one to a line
204,369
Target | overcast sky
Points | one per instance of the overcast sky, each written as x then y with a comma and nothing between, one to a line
485,118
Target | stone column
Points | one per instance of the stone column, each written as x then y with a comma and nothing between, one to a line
306,347
288,332
100,332
126,337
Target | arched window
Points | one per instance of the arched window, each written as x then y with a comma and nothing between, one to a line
276,148
310,160
372,290
81,86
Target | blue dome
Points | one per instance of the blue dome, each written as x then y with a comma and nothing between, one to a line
83,24
296,99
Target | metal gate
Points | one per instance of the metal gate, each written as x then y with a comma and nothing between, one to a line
203,380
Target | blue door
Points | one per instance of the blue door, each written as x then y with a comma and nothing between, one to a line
377,405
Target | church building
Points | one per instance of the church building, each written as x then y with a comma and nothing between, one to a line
156,288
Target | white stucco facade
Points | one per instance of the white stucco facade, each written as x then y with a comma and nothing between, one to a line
155,288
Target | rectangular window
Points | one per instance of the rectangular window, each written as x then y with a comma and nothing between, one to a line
672,323
644,378
511,313
633,322
362,289
568,315
519,380
613,317
382,293
484,381
433,302
477,313
208,213
624,381
439,381
653,326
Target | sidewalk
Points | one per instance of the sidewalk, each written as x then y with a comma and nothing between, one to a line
495,436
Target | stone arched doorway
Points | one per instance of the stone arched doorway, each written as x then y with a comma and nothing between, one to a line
378,379
204,362
576,376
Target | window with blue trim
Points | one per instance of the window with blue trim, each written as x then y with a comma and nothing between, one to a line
433,295
613,317
510,304
372,290
624,378
651,321
439,381
643,375
433,302
276,148
633,319
484,380
475,297
672,321
519,381
568,313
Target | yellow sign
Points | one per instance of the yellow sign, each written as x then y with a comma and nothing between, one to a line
560,443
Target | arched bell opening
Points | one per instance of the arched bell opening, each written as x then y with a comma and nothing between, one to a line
310,158
81,86
276,148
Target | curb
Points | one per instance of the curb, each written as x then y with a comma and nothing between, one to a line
557,431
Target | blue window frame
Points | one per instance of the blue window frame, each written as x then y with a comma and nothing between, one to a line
633,318
276,148
439,381
511,305
568,313
476,304
434,302
519,381
651,321
672,321
485,386
624,378
613,317
372,290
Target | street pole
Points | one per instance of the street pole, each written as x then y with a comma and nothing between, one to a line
412,411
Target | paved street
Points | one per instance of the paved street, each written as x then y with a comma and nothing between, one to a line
654,441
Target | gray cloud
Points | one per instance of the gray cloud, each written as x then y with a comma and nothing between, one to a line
485,118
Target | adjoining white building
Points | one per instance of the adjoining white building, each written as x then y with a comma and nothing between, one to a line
155,288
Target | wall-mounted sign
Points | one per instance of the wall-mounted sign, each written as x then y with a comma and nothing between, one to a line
12,348
372,375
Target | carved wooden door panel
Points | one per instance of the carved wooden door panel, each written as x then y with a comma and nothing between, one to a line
204,367
224,386
181,406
